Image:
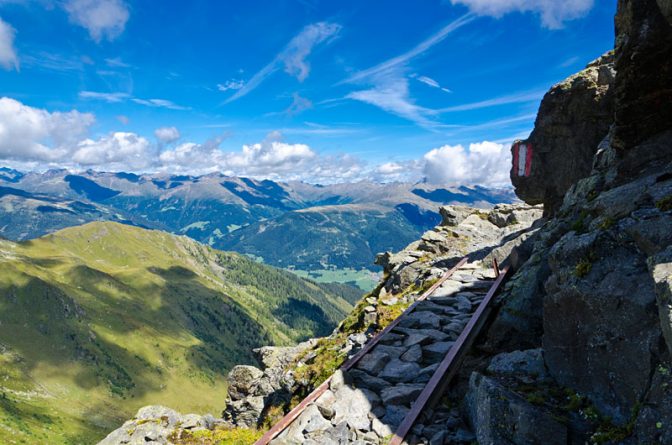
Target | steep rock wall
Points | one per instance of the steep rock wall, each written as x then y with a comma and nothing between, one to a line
595,293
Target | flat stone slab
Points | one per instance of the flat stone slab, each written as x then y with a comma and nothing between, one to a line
402,394
413,355
437,351
421,320
398,371
364,380
373,362
435,334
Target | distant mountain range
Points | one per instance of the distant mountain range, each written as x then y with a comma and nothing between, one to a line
291,225
101,319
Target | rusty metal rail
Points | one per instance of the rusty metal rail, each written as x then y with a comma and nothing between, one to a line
317,392
451,362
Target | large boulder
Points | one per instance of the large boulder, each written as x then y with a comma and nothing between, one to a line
503,417
573,118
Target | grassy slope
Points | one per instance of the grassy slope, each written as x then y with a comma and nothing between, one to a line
98,320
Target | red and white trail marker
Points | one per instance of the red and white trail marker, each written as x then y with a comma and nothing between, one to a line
522,159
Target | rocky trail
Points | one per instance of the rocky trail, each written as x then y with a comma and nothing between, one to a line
382,392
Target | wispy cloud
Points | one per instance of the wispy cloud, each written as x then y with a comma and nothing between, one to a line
529,96
432,83
122,97
390,91
312,129
116,62
423,46
8,58
299,105
391,94
159,103
496,123
293,57
569,62
105,97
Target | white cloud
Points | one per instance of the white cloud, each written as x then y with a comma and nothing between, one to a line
32,134
269,157
553,12
116,151
167,134
293,57
232,84
398,171
485,163
8,58
102,18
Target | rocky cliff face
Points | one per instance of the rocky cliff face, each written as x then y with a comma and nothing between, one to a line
595,293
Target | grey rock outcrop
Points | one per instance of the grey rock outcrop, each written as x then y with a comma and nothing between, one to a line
252,390
573,118
158,425
485,234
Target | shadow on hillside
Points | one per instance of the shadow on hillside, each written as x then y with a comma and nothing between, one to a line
110,333
300,314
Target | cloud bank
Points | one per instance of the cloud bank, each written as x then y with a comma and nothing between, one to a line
36,139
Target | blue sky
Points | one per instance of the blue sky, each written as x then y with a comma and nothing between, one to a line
288,89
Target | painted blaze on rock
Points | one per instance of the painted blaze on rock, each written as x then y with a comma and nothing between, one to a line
522,158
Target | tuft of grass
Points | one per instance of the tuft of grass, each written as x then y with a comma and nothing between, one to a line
607,223
665,204
583,268
221,436
579,225
327,360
